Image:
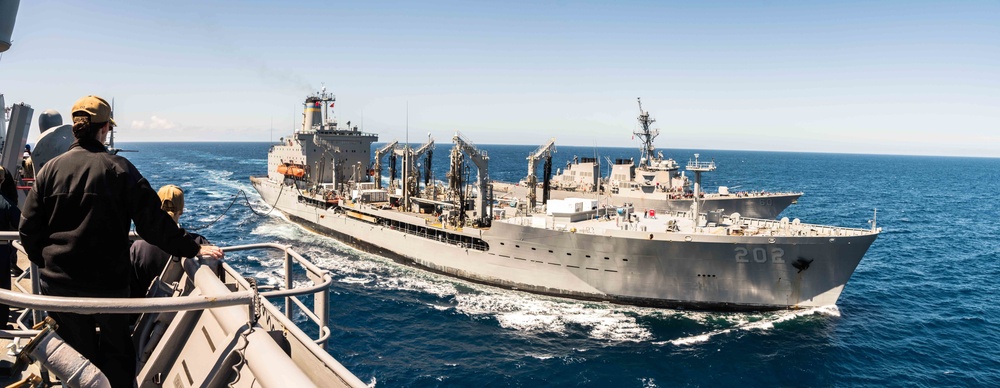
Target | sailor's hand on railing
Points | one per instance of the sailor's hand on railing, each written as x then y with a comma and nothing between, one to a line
211,251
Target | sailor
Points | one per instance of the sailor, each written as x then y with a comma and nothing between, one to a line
9,217
27,166
148,260
8,187
75,227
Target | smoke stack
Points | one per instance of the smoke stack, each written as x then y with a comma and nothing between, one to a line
313,113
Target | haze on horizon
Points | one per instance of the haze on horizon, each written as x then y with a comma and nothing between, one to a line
918,78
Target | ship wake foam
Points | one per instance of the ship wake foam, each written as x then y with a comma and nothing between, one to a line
750,322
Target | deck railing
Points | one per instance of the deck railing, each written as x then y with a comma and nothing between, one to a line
34,303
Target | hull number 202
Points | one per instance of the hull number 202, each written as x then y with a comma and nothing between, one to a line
760,255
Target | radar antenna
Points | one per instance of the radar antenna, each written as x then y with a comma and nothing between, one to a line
646,136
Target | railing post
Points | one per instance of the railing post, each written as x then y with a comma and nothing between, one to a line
36,288
288,283
321,304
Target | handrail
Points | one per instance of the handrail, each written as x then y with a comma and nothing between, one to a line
87,305
321,315
309,266
320,278
79,305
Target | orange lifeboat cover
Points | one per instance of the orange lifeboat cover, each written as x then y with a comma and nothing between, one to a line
296,171
293,170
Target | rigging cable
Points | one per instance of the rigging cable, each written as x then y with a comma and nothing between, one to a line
246,200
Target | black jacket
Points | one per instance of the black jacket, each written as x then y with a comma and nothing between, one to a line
76,219
148,262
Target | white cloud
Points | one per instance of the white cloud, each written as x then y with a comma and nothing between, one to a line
154,123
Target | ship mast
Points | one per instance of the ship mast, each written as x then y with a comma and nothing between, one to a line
646,136
698,167
111,134
326,99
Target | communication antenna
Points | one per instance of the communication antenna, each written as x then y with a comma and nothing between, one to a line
111,141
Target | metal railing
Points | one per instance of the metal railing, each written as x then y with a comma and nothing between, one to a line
35,303
321,279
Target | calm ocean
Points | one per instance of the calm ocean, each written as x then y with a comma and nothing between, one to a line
922,309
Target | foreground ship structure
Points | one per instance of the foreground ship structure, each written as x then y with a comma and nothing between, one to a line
578,247
202,323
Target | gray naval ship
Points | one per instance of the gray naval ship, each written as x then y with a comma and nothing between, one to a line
577,247
202,324
656,183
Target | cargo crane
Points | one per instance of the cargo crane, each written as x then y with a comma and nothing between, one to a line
411,176
546,152
456,181
427,148
379,153
484,209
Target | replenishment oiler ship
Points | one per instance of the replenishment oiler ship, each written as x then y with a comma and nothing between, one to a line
321,177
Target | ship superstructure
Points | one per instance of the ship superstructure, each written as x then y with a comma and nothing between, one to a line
322,151
577,247
654,182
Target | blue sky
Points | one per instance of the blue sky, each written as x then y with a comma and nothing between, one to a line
859,77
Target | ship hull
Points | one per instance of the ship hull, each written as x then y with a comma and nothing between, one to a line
675,270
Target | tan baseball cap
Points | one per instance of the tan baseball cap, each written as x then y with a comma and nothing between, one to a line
171,199
98,109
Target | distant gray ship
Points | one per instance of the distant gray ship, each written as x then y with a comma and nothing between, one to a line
656,183
579,248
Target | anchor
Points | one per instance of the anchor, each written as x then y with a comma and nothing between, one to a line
802,264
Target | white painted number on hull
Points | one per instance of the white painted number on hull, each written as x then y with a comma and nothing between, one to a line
760,255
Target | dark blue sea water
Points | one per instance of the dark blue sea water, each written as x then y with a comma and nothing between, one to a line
922,309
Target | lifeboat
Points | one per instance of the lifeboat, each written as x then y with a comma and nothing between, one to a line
292,170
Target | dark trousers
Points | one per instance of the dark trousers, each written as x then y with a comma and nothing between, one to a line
110,350
6,257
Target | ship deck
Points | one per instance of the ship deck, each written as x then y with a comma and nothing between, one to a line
595,222
507,190
605,220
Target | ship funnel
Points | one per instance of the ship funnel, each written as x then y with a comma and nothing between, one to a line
313,115
8,12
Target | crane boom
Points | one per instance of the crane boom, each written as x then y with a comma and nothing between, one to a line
379,153
481,160
411,183
544,151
